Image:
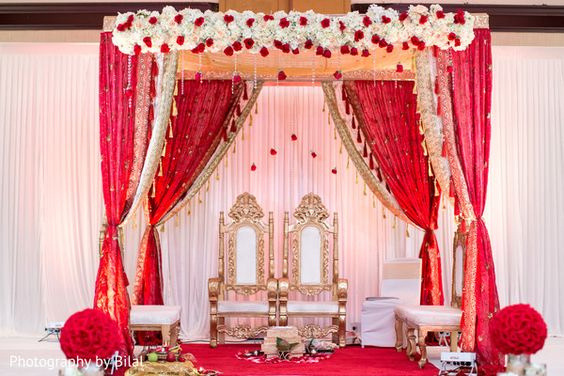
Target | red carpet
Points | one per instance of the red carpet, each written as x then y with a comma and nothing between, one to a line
350,361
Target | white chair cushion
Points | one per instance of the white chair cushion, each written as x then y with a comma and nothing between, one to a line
154,314
225,306
295,306
430,315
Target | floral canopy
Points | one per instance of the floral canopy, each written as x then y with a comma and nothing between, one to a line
409,94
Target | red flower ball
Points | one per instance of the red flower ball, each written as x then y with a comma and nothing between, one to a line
296,51
90,334
342,26
358,35
334,171
440,14
423,19
375,39
405,46
451,36
313,154
327,53
180,40
354,51
389,48
399,68
518,329
237,46
365,53
148,42
345,50
268,17
137,49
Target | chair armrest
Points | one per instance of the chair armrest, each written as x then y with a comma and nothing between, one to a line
342,289
214,288
283,288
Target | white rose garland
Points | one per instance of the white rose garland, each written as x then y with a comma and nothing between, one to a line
233,32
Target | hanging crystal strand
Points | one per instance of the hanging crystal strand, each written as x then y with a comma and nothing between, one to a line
407,230
234,74
255,71
129,88
374,69
383,212
200,67
181,75
188,208
313,70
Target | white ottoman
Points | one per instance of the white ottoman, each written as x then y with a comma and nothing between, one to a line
165,319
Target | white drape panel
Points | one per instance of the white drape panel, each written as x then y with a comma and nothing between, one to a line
50,193
51,200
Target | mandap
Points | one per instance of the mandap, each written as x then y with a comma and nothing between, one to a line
409,94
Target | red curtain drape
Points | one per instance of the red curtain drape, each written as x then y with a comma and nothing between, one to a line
203,113
120,176
390,124
471,104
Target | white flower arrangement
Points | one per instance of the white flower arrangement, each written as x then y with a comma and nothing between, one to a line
233,32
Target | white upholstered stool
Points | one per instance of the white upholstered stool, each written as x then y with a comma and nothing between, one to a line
401,284
165,319
421,320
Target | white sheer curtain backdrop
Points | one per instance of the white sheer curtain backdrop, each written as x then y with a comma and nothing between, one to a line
50,190
51,200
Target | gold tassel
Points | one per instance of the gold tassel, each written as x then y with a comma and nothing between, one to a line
348,162
437,193
153,193
164,149
407,231
395,222
174,109
424,146
341,148
188,208
250,120
242,134
364,192
208,186
383,212
256,108
170,130
234,147
216,175
176,220
430,170
373,202
199,198
161,167
323,104
162,228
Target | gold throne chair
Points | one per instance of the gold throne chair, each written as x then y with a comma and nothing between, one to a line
308,271
245,286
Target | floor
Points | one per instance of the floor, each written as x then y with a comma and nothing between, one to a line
25,356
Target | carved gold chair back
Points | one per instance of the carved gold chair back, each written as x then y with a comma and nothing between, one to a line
244,263
308,263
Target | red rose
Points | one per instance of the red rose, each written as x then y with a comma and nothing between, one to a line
403,16
319,51
389,48
249,43
268,17
325,23
354,51
386,19
130,19
147,41
457,42
366,21
209,42
286,48
228,18
296,51
137,49
518,329
153,20
199,48
405,46
303,21
237,46
342,26
365,53
358,35
415,40
313,154
334,171
277,44
121,27
165,48
178,18
90,334
327,53
375,39
250,22
423,19
451,36
228,51
264,52
199,21
399,68
294,137
284,23
253,167
382,43
345,49
281,77
440,14
338,75
180,40
273,151
421,46
459,17
236,79
308,44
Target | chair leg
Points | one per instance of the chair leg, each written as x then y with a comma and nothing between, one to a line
221,334
454,341
335,335
165,332
399,334
342,330
422,334
411,346
213,330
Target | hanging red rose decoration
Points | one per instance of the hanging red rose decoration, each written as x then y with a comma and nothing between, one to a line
345,50
354,51
325,23
338,75
268,17
403,16
358,35
405,46
264,52
209,42
249,43
90,334
148,42
273,151
284,23
423,19
236,79
518,329
342,26
228,18
178,18
313,154
386,19
294,137
228,51
308,44
399,68
198,76
250,22
390,48
334,171
153,20
327,53
237,46
180,40
281,75
296,51
365,53
459,17
253,167
366,21
137,49
303,21
165,48
440,14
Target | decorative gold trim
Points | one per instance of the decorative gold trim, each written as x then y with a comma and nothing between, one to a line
218,156
375,186
315,331
242,331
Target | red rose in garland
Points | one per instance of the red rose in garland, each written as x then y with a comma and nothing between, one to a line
90,334
518,329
